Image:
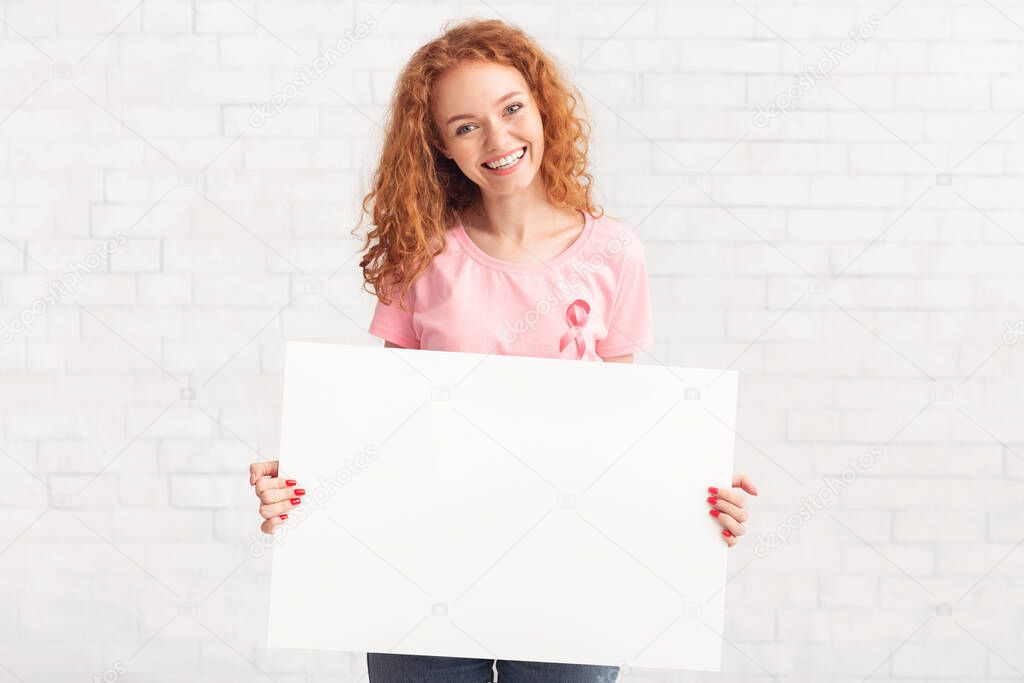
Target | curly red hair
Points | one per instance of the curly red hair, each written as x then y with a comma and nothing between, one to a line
416,190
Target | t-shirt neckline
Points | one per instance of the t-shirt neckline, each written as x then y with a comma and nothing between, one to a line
530,266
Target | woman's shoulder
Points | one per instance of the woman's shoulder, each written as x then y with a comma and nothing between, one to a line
448,254
614,237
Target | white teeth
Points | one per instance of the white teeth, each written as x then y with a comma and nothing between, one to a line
505,162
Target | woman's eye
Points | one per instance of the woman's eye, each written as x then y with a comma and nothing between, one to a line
462,129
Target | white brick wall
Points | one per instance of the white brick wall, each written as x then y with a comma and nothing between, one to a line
821,255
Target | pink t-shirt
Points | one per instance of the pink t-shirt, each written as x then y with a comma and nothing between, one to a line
589,303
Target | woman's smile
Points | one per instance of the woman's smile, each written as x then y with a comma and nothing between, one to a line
510,161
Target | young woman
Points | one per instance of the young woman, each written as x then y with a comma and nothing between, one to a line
485,239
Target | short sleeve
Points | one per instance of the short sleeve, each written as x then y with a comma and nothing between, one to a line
392,324
629,320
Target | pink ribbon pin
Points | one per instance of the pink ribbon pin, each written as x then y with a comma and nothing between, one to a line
578,342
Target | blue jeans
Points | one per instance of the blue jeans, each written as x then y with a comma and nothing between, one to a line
388,668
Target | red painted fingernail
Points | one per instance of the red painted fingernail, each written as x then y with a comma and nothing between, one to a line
712,489
300,492
726,533
714,513
296,501
712,500
292,482
284,516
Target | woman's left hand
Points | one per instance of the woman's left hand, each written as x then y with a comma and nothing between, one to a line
729,507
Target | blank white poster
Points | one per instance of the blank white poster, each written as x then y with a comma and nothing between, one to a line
472,505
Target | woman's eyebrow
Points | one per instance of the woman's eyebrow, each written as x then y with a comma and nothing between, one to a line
469,116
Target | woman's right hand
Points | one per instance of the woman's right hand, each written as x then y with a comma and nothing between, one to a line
277,496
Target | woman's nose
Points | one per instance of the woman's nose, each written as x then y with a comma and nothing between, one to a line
498,139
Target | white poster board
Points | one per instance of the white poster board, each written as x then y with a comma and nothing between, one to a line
472,505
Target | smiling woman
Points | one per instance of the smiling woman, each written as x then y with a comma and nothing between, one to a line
485,239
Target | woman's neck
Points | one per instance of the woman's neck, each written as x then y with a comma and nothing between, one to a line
517,229
523,217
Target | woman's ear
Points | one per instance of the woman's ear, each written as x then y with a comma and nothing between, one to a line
438,144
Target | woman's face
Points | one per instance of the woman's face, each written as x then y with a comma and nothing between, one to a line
485,113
